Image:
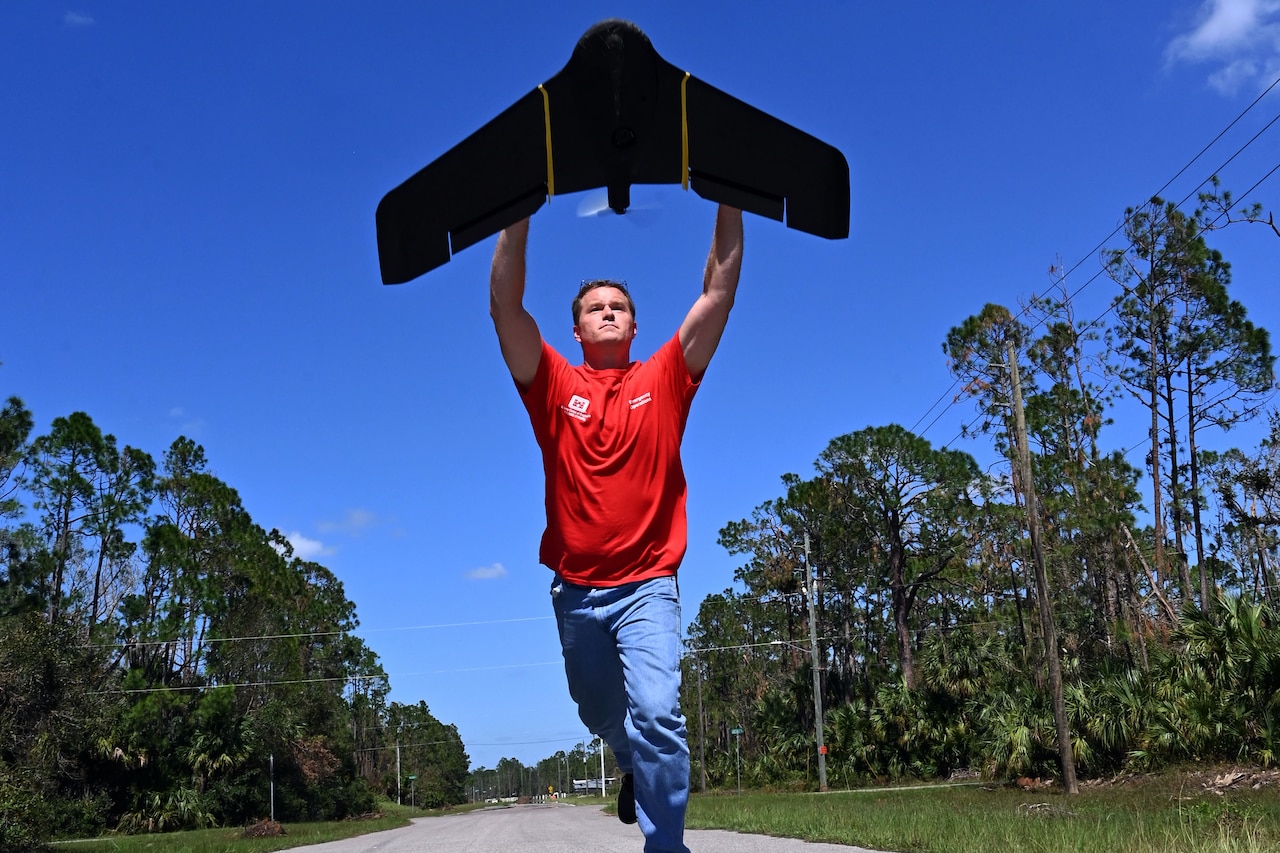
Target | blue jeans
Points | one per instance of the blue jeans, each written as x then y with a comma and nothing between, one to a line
621,650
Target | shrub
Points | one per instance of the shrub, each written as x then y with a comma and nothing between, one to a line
24,815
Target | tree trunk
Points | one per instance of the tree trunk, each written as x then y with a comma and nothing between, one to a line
1197,524
901,623
1157,503
97,592
1176,498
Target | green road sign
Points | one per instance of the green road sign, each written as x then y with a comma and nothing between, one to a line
735,731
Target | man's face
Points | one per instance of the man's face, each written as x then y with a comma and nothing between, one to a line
605,318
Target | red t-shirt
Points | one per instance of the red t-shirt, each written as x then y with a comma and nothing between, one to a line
610,442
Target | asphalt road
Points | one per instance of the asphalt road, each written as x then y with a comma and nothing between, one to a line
551,829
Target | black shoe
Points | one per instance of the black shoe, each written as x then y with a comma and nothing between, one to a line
627,800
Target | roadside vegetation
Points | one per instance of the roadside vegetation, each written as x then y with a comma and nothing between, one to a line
1174,812
235,840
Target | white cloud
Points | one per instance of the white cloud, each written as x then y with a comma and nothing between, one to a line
488,573
1232,76
1241,38
189,426
76,19
305,548
355,522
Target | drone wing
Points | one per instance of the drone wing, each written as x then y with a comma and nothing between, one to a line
495,177
746,158
617,114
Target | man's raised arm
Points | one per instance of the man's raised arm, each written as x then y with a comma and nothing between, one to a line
518,334
700,332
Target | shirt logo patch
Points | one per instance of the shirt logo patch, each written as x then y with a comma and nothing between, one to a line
577,408
646,397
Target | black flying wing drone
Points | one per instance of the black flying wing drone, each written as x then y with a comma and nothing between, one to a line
617,114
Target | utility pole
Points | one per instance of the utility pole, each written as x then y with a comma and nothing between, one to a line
702,727
1047,628
398,768
736,731
811,593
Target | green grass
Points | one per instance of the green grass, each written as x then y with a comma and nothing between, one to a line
229,840
1156,817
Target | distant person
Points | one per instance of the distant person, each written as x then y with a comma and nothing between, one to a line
610,432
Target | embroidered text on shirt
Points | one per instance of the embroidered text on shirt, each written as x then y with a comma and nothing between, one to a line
577,408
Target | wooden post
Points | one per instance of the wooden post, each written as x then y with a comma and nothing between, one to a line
1047,628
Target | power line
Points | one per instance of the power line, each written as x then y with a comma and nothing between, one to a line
1185,198
575,740
388,676
464,624
766,598
1117,230
1182,417
306,634
966,427
325,680
1179,174
406,745
942,397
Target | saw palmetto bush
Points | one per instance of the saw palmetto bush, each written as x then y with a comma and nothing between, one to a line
1216,692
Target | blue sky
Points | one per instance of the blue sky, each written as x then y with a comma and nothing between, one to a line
187,248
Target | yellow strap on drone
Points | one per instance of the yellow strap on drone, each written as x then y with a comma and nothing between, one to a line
546,116
684,134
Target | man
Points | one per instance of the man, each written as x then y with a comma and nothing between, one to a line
610,432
